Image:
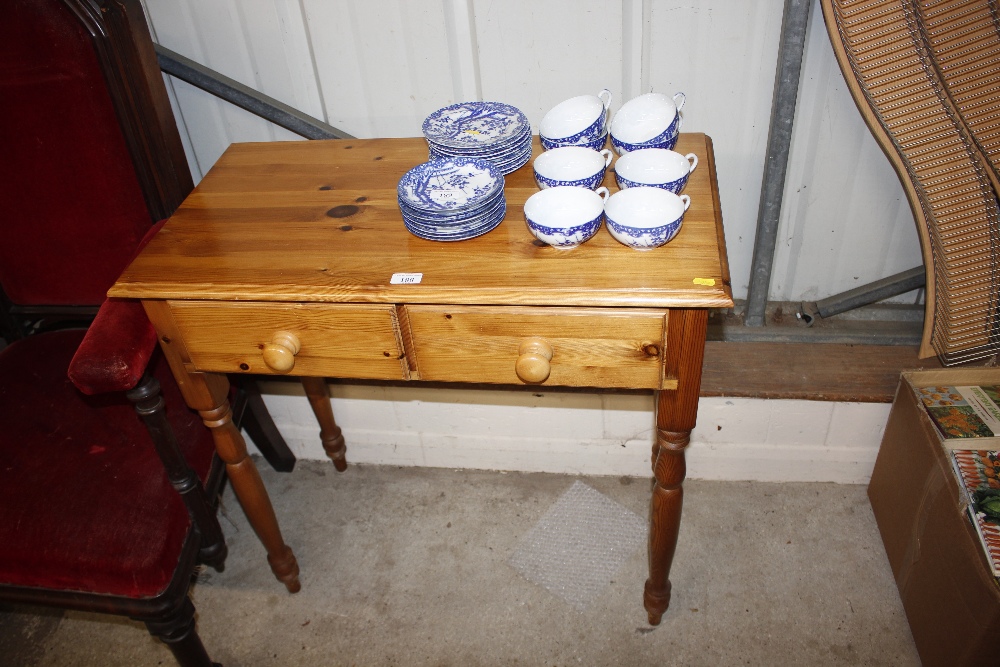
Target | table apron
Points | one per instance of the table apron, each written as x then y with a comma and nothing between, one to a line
586,347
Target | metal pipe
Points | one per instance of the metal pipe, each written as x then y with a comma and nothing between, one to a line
779,138
245,97
898,334
900,283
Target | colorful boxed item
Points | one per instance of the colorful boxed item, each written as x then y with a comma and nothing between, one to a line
945,581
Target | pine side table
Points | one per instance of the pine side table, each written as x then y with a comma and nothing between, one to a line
292,258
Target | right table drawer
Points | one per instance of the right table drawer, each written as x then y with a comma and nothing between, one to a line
583,347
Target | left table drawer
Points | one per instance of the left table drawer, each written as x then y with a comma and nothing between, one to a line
311,339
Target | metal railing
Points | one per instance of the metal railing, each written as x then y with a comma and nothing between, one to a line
245,97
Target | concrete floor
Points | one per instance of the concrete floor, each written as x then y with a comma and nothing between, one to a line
409,566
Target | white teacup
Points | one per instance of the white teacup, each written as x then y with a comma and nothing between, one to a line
565,216
645,118
571,165
656,167
577,120
645,217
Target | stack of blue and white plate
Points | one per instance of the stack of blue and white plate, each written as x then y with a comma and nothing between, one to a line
492,131
452,199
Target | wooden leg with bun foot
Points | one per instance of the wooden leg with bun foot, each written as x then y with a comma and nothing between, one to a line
249,489
330,434
676,413
665,519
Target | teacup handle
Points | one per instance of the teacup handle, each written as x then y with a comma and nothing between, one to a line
605,193
692,160
686,200
607,102
679,105
608,155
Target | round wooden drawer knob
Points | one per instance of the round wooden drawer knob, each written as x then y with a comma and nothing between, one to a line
534,355
279,354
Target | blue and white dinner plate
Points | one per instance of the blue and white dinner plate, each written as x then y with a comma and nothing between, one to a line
472,125
507,160
492,148
479,230
450,185
481,227
515,160
455,229
455,226
452,221
487,226
443,216
492,131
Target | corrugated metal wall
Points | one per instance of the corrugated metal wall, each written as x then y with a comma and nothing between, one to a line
379,67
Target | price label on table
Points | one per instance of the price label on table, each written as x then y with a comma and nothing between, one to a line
406,278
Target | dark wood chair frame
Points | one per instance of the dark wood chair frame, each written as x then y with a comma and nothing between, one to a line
126,54
170,615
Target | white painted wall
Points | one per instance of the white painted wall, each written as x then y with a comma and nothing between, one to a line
579,433
378,68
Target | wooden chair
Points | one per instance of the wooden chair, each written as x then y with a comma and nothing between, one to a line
100,509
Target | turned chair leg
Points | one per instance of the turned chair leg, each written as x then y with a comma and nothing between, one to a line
176,629
250,413
149,404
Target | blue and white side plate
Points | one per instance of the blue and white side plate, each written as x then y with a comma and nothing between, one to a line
474,124
506,162
484,149
453,225
443,233
450,221
450,184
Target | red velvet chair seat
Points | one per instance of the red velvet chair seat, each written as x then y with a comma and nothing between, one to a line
96,515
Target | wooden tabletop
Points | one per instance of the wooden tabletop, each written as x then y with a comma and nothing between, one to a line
318,221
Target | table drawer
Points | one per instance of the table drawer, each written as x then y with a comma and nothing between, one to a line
333,340
587,347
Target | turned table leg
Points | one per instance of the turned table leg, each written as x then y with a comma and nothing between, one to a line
208,394
249,489
329,433
676,412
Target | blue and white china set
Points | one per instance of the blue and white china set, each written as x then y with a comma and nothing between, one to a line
451,199
459,193
492,131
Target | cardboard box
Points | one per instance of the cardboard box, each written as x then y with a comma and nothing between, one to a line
951,600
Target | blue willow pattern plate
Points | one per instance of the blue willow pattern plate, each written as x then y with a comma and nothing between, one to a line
471,124
478,228
449,184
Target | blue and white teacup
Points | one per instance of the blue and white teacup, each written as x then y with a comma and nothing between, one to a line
645,217
594,144
655,167
576,121
565,216
663,142
576,166
647,121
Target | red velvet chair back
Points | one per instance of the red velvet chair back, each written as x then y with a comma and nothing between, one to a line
77,192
